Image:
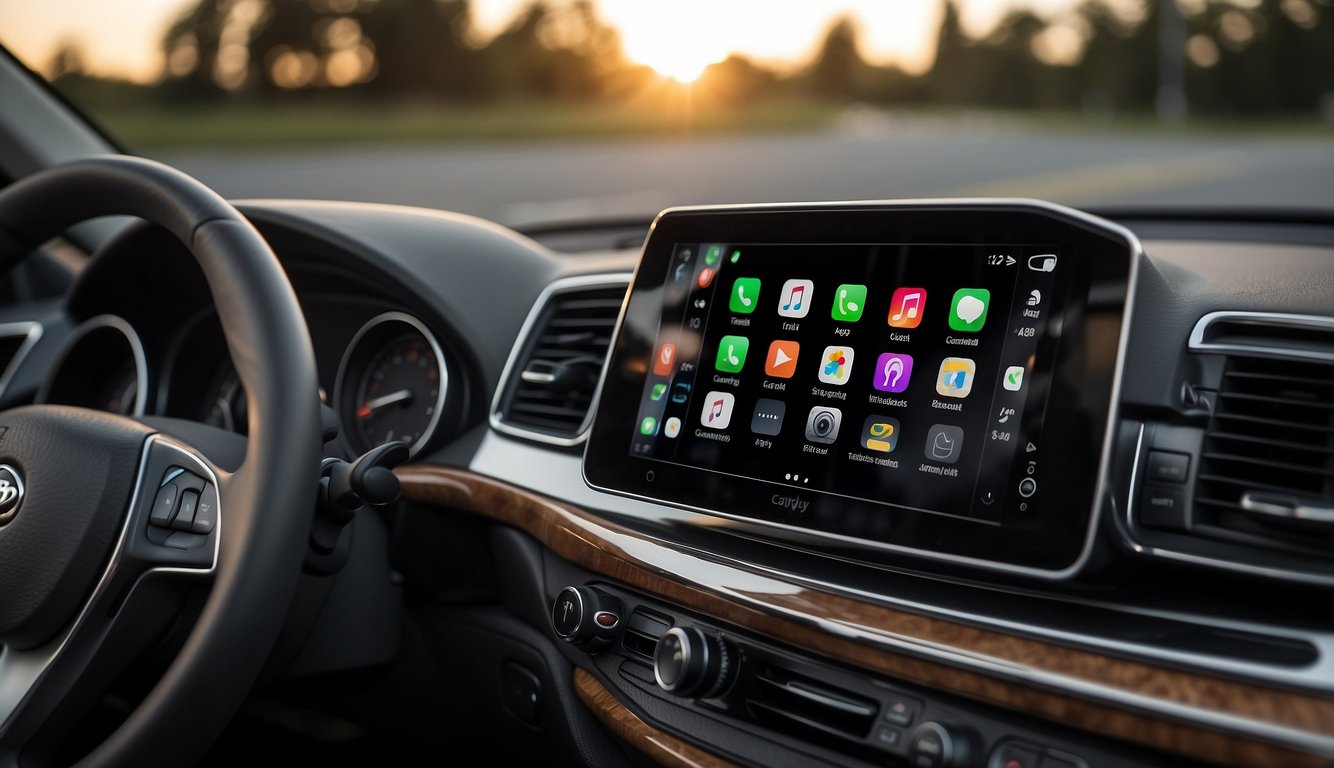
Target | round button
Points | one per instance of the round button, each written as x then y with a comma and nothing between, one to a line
1027,487
567,614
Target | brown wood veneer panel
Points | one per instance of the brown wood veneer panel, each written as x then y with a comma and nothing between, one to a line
629,557
663,747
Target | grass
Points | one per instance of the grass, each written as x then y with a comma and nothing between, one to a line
158,127
319,124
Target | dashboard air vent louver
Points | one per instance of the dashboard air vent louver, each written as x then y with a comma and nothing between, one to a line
788,702
1267,467
550,381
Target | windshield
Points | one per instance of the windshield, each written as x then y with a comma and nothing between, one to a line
526,112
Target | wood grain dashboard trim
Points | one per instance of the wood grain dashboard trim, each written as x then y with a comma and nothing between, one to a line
771,607
663,747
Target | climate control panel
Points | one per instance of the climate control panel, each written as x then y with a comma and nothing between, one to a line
759,703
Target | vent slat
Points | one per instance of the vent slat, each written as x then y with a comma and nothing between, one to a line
1272,431
1244,483
1258,376
570,337
1283,424
1271,442
1277,465
1277,401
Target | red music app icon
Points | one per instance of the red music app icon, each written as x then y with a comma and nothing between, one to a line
907,307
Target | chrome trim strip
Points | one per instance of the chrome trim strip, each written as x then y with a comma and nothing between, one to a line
21,671
563,285
33,331
81,331
1198,344
1100,485
340,382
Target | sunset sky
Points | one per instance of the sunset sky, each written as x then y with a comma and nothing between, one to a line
121,37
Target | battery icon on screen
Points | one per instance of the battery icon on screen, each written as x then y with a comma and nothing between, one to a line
1043,263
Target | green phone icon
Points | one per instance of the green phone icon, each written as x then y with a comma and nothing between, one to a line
745,295
658,390
649,426
968,310
712,255
732,353
849,301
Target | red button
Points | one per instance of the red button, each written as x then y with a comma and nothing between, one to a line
606,619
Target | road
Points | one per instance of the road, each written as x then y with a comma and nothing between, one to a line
518,184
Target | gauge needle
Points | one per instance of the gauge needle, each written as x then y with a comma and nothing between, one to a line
371,406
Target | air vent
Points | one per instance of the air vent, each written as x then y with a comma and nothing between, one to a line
788,702
547,390
1267,468
642,631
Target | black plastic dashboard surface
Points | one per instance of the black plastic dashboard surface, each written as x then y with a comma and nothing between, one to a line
1006,321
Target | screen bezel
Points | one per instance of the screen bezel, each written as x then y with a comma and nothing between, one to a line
1048,546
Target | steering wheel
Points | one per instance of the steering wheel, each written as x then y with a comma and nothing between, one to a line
106,523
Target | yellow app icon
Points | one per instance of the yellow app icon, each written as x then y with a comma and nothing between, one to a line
880,433
956,377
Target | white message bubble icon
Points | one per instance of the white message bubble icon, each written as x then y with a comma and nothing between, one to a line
970,308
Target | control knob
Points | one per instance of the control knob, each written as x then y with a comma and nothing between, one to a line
583,615
689,662
938,746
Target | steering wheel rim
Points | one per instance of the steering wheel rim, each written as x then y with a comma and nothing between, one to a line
268,500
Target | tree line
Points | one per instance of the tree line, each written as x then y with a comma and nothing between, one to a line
1264,58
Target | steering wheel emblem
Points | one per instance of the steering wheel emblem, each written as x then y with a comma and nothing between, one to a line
11,492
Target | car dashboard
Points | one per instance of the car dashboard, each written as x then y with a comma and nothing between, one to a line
545,602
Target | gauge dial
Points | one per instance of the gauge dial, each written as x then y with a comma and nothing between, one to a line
392,384
120,392
101,366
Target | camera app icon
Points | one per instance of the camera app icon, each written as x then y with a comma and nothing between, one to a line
822,424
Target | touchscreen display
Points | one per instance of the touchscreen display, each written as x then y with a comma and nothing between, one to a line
931,379
895,374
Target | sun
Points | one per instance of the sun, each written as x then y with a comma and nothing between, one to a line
672,44
683,65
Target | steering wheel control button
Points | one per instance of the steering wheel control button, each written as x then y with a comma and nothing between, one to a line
1168,467
165,504
185,540
206,514
185,515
